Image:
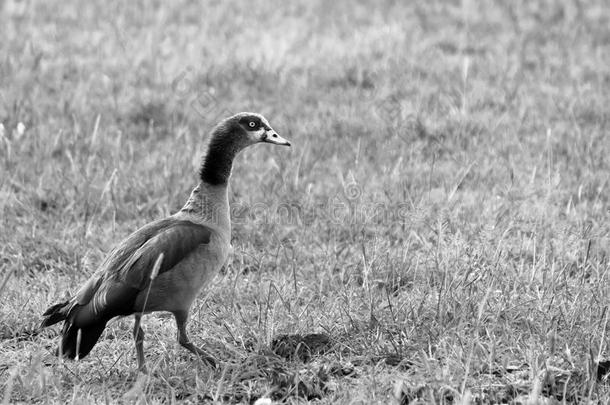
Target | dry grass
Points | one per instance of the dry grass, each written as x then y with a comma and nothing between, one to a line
443,215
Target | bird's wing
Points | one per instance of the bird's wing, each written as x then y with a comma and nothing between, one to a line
176,242
127,270
117,258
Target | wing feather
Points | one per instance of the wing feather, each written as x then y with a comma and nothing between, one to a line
126,271
175,242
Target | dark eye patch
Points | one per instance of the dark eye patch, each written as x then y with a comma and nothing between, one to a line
251,123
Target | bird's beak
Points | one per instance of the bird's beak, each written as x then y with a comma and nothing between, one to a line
270,136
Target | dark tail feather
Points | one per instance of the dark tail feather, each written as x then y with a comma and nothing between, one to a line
89,333
89,336
55,313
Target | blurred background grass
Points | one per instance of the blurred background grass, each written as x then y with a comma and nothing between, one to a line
445,202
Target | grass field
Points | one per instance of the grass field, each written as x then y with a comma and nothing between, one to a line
443,215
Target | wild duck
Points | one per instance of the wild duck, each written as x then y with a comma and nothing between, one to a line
163,265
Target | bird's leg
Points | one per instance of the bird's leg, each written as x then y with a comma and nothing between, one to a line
138,336
183,339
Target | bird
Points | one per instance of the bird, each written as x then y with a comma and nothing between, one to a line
165,264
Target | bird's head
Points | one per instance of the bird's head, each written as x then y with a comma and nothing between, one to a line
245,129
229,137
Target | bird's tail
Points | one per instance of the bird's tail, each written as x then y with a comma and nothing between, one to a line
76,338
73,344
55,313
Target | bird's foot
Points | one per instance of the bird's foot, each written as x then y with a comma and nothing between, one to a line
202,354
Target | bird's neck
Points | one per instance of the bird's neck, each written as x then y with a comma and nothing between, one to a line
218,162
208,205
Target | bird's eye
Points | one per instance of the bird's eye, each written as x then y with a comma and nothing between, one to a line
252,124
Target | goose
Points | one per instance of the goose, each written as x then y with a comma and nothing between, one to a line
163,265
